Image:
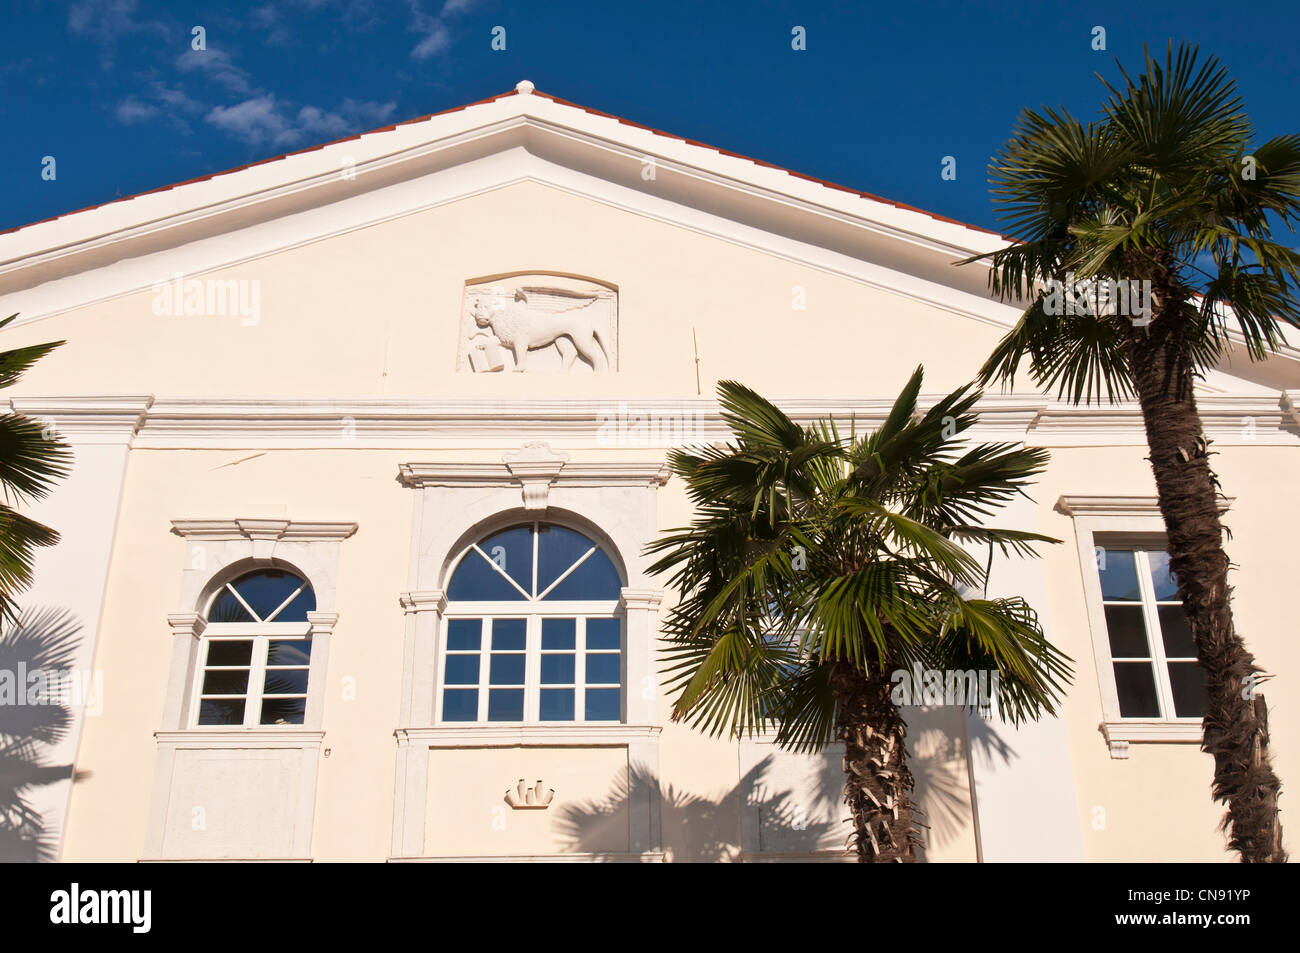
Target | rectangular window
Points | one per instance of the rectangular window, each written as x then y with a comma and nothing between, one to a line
254,680
1153,658
531,670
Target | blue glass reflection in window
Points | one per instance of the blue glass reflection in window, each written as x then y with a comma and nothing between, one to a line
604,634
463,634
507,668
1119,581
226,608
596,578
512,551
557,704
462,670
460,704
603,668
559,633
1165,579
558,548
557,668
506,704
603,704
508,635
477,580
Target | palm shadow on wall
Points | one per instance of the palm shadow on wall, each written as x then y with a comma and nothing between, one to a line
710,827
43,639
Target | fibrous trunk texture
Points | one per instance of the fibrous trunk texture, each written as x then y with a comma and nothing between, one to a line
878,784
1236,720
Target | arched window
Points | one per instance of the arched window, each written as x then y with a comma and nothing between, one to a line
532,632
256,651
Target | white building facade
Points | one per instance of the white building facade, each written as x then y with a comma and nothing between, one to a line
369,441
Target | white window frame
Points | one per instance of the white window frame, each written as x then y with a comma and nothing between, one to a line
1151,619
532,610
260,634
1124,522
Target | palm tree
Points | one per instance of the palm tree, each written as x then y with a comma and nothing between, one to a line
819,565
31,460
1163,188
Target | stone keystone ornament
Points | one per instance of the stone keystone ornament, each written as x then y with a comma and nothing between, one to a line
539,324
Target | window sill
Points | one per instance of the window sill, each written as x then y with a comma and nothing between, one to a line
497,736
268,737
1120,734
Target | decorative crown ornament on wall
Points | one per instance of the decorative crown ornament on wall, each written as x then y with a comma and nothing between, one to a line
539,324
523,798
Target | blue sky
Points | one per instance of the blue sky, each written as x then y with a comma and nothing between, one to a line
113,91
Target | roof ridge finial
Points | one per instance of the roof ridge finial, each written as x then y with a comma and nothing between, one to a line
524,87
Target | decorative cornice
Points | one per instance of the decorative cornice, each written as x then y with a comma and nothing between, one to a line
288,531
615,424
107,419
322,623
536,474
1118,506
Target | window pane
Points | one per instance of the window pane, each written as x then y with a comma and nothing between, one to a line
221,711
603,669
1135,682
462,670
1166,583
1119,579
508,634
460,704
557,669
559,633
476,579
1127,630
286,681
558,548
603,704
266,589
226,608
1177,633
225,683
557,704
507,669
230,651
1188,682
596,578
463,633
289,652
506,704
512,550
284,711
297,610
604,633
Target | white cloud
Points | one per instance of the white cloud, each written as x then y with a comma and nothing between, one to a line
434,34
263,120
105,21
132,110
216,66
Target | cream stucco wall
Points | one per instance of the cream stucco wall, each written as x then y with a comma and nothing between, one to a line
375,312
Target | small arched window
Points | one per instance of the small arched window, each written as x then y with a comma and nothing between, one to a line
532,631
256,651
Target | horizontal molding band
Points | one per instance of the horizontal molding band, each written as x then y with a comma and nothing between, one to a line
509,736
147,422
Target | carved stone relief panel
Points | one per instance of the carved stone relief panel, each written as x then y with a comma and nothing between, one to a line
539,324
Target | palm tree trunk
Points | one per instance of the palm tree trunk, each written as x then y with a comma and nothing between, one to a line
878,784
1236,721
